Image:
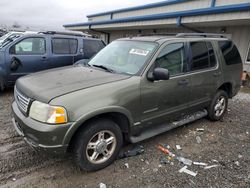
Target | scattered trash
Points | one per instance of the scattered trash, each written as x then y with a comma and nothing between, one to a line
102,185
215,161
199,163
164,150
247,132
237,163
212,166
163,160
200,129
136,150
198,139
178,147
13,179
185,170
240,156
126,164
185,161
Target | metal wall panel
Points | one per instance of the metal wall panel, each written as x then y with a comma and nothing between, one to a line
227,2
195,4
99,18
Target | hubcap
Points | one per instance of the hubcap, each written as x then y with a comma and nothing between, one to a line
220,106
101,147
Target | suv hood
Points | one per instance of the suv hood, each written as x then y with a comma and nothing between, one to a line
46,85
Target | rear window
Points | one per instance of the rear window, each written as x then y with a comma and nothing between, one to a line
64,46
230,52
92,47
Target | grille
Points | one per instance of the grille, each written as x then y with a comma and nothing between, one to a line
22,101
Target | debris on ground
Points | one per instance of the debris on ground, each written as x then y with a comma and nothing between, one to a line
135,150
200,164
198,139
127,165
178,147
212,166
200,129
185,161
237,163
185,170
102,185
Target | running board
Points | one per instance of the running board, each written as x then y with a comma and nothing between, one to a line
166,127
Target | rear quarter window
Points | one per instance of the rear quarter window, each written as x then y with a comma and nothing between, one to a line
92,47
230,52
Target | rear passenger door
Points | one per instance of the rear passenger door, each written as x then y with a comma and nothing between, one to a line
91,47
204,72
63,51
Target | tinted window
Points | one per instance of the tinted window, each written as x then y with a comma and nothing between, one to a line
92,47
230,52
29,46
200,56
172,57
64,46
212,59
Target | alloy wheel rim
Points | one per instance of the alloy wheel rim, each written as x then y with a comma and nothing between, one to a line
101,147
220,106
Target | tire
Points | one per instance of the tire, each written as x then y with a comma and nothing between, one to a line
218,106
91,143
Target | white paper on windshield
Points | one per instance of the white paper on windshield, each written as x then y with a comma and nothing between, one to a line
139,52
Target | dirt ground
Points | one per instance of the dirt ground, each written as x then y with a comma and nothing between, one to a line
225,143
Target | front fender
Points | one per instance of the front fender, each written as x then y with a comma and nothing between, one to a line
74,127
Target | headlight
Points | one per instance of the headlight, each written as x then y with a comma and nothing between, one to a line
48,114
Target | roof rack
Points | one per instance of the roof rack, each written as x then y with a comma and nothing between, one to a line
63,33
215,35
157,34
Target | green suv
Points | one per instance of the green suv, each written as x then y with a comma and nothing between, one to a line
132,90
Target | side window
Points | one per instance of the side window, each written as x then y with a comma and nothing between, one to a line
29,46
230,52
200,56
172,57
92,47
212,58
64,46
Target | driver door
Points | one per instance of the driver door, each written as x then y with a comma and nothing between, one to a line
166,100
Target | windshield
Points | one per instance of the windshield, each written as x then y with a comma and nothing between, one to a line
127,57
8,38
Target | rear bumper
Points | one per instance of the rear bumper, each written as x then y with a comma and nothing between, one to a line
39,135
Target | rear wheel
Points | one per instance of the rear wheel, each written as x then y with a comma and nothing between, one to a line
218,106
97,145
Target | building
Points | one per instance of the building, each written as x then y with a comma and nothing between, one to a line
175,16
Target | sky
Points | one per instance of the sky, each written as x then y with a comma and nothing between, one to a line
52,14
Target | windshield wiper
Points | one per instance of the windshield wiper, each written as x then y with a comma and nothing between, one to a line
104,68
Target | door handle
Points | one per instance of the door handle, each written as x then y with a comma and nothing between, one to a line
44,58
183,82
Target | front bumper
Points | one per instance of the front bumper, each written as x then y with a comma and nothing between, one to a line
40,135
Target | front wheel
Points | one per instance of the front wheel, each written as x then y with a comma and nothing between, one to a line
218,106
97,145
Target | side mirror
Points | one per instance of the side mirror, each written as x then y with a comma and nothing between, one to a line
159,74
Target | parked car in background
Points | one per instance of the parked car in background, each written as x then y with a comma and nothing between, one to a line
22,53
132,90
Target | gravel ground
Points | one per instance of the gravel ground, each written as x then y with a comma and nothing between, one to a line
225,143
